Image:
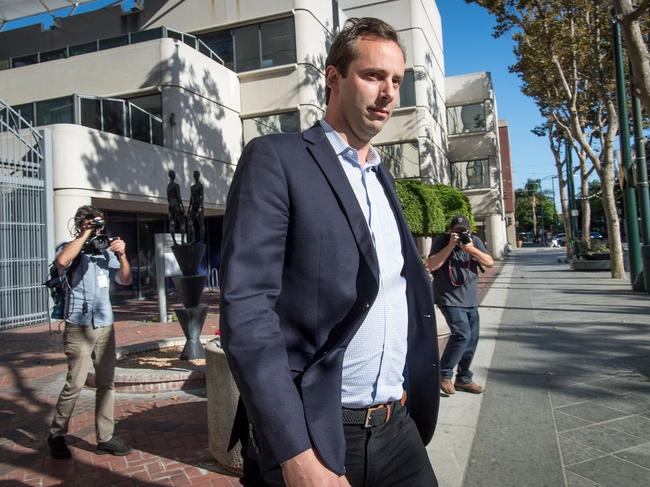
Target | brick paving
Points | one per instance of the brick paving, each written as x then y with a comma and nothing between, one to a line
168,430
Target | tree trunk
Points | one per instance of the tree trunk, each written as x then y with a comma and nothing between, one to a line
533,204
637,50
613,223
585,203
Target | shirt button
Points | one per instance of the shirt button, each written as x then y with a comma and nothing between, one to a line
366,305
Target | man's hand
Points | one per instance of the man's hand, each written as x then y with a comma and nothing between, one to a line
306,470
118,246
469,247
454,240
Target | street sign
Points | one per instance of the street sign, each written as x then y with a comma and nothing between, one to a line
575,212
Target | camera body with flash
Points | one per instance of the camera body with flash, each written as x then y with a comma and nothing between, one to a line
465,238
98,241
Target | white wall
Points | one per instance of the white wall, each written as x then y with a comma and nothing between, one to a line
92,164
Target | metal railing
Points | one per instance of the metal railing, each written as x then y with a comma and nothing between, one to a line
23,222
110,43
113,115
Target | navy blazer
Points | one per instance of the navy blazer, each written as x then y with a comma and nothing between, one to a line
298,274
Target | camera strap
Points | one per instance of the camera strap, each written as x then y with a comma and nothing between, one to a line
465,264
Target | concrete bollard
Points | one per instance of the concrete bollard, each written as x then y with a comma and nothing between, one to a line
222,396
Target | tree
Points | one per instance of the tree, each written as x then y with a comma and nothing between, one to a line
529,210
635,25
564,59
422,209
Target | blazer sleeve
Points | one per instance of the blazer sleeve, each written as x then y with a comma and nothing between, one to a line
253,247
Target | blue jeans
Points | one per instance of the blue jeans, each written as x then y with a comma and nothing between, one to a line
464,326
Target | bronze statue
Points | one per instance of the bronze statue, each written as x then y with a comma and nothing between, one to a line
176,210
196,228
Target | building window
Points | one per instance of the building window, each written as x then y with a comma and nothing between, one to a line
407,90
149,103
54,55
470,174
402,160
255,46
288,122
26,111
19,62
58,110
466,119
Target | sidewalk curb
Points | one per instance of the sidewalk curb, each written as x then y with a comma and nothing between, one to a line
458,418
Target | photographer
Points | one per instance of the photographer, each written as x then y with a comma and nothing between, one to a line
454,260
87,263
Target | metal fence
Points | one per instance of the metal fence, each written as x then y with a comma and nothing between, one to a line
25,188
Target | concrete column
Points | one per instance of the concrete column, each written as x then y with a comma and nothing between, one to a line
65,206
222,396
496,233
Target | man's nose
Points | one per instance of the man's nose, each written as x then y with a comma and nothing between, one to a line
389,91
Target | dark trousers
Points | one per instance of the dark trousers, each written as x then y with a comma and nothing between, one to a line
390,455
464,326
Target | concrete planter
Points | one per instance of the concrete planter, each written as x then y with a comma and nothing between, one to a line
222,394
590,265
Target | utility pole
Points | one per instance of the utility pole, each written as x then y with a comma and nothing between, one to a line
629,193
642,188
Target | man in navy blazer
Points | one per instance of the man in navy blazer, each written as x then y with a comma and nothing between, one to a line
326,310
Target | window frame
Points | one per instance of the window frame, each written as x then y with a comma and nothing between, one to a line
486,174
469,131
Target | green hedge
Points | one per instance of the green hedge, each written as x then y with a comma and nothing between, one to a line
422,208
454,202
430,208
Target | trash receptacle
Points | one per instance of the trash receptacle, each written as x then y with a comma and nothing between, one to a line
645,259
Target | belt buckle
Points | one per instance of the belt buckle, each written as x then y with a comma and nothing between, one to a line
369,411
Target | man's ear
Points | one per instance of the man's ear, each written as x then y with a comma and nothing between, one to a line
331,77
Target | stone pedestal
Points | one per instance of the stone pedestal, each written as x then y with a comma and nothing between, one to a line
222,394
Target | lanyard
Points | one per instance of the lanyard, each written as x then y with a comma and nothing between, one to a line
451,278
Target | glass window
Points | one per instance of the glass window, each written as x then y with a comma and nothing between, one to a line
278,44
149,103
140,128
247,48
54,54
288,122
112,42
156,132
190,40
221,43
4,64
407,90
58,110
18,62
83,48
403,160
466,119
113,115
146,35
470,174
91,115
174,35
26,111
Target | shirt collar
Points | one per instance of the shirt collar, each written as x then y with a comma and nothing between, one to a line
343,149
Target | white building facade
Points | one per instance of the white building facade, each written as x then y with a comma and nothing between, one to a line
129,96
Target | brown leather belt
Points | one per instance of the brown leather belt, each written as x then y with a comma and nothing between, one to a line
374,415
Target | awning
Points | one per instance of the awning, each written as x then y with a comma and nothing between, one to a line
18,9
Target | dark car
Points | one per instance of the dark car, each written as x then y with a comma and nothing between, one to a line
561,239
596,236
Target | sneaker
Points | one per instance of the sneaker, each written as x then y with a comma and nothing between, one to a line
58,447
447,386
114,446
471,387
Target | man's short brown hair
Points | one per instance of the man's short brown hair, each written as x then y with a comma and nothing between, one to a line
344,47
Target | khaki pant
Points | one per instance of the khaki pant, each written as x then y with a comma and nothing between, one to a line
83,346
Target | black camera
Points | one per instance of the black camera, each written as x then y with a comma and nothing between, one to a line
465,238
99,241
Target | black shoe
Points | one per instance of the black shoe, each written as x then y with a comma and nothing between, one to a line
114,446
58,447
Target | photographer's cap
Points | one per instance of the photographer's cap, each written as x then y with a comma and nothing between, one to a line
460,223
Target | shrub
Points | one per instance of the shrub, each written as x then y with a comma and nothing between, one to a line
424,213
454,202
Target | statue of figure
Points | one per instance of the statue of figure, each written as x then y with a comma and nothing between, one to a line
176,210
195,211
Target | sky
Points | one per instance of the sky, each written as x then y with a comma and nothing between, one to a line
469,47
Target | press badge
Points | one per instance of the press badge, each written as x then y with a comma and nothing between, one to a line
102,281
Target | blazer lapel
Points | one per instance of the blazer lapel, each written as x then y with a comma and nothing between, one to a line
324,155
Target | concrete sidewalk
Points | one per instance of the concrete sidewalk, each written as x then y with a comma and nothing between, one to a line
566,358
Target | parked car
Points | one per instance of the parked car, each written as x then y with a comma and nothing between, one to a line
561,239
596,236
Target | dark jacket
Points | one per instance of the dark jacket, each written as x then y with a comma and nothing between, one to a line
298,275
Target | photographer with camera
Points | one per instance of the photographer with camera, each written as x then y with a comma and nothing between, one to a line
86,265
454,261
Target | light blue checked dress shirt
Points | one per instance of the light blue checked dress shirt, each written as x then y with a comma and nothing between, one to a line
374,360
